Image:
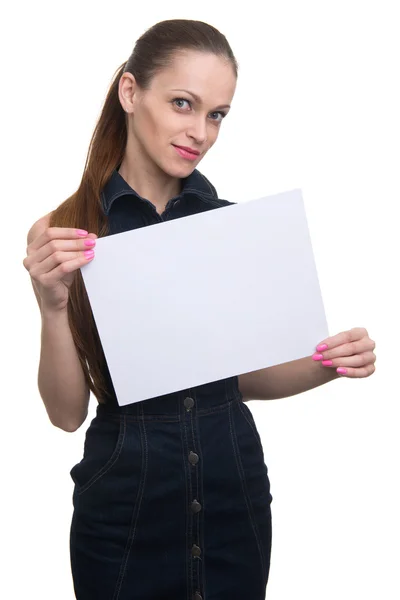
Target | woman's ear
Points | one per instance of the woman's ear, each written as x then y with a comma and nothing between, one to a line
126,92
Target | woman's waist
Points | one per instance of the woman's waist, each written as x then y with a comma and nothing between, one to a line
203,398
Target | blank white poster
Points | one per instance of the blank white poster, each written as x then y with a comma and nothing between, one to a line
197,299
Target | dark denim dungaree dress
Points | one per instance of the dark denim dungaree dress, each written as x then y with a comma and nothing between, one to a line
172,497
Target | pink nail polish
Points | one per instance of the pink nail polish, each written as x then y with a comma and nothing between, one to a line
90,242
341,371
322,347
317,357
82,232
89,254
327,363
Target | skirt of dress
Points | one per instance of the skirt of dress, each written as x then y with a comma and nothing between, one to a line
172,501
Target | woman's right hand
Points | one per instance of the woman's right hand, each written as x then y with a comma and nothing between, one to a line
54,254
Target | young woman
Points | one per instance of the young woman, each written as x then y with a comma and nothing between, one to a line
172,496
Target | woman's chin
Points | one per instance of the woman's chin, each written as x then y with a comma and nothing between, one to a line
179,171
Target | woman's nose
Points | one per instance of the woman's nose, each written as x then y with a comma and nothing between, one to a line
198,131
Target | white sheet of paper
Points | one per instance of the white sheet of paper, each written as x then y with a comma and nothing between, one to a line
201,298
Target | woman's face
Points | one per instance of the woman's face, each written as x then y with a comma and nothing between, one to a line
184,106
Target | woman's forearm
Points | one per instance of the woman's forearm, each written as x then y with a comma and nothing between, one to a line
61,381
286,379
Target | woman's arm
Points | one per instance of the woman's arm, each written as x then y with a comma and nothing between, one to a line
286,379
351,352
61,381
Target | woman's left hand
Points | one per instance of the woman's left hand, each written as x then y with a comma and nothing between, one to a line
351,353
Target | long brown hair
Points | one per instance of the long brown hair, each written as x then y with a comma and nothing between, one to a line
153,52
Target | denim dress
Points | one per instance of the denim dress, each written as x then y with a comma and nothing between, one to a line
172,497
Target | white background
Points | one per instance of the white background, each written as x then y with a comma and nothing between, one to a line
317,108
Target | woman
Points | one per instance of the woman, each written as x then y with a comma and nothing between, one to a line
172,496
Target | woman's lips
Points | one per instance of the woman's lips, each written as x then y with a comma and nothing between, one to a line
187,152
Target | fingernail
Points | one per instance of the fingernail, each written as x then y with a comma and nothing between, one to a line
89,254
317,357
90,242
322,347
341,371
327,363
81,232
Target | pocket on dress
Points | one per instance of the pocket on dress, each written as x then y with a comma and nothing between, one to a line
248,415
103,445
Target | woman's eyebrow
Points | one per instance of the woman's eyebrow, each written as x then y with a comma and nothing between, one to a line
198,99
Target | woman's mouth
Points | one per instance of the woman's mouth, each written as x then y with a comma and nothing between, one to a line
188,153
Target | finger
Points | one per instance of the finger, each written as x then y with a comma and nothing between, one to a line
52,268
67,266
357,361
49,279
58,245
54,233
345,337
358,373
358,347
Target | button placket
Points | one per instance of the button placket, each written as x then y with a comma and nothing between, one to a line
195,507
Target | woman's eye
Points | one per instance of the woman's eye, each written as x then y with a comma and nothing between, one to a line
215,116
180,101
220,114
